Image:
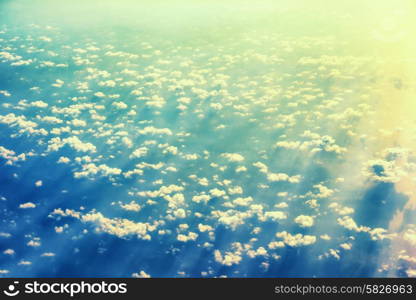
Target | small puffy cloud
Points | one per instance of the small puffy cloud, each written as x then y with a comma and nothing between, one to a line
201,198
192,236
190,156
50,120
139,152
162,191
39,104
235,190
128,142
99,94
240,201
27,205
325,237
261,251
58,83
63,160
333,253
45,39
5,93
180,213
132,206
119,105
296,240
118,227
348,223
231,219
204,228
228,258
241,169
281,205
274,177
176,200
346,246
74,142
9,56
9,252
169,149
141,274
233,157
34,243
319,143
275,215
288,145
323,191
262,167
381,234
92,169
59,229
304,221
341,210
78,123
107,83
276,245
217,193
150,130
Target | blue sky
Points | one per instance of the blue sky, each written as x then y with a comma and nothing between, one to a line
206,140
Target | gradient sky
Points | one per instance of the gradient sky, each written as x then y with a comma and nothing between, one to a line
195,139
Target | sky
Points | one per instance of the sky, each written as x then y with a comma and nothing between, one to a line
207,139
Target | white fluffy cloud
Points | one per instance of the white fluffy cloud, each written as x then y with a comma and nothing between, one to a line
27,205
233,157
304,221
296,240
228,258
